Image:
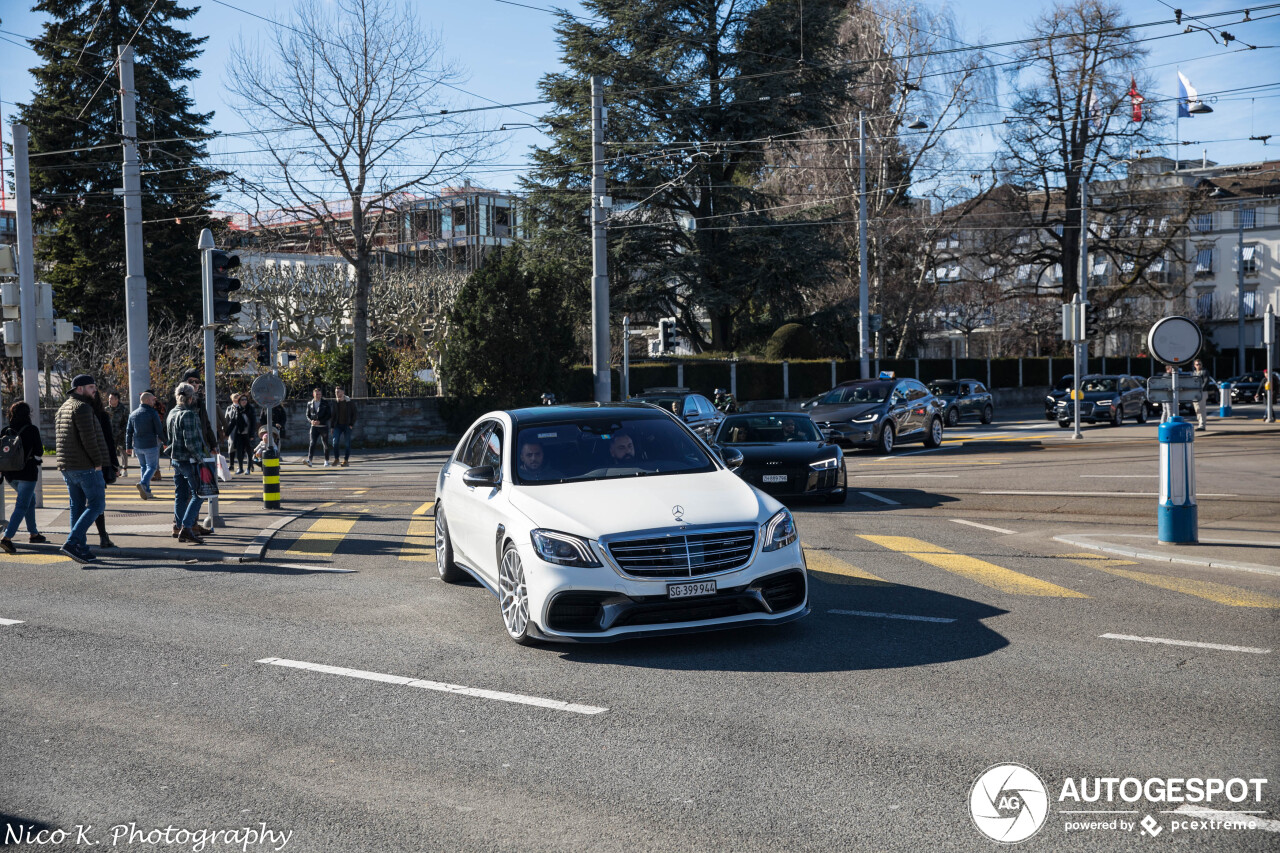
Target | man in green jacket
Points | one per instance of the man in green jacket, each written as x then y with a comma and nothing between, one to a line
187,449
82,452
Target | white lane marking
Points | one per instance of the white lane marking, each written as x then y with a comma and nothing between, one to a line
891,474
890,616
1192,643
10,622
1098,494
517,698
307,568
880,498
983,526
1234,817
1117,476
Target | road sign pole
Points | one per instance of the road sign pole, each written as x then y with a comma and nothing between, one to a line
1176,341
1269,338
1077,396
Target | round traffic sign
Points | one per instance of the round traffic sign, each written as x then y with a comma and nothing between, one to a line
267,390
1174,340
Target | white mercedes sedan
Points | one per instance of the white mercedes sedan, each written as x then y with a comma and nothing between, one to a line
601,522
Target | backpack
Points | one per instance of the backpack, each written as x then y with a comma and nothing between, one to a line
12,455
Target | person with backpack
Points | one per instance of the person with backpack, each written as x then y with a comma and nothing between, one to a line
21,452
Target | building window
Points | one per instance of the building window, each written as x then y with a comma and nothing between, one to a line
1204,306
1248,217
1204,262
1250,255
1203,222
1251,303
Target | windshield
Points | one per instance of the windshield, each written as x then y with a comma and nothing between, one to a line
1100,383
670,403
605,449
767,429
944,389
870,393
1064,383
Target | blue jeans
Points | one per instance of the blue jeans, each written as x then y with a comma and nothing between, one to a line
342,434
186,500
24,506
88,493
149,462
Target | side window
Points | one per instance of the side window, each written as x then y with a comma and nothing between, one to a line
473,455
690,405
979,388
915,391
965,390
705,407
492,449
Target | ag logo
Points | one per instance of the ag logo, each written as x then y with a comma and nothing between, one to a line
1008,803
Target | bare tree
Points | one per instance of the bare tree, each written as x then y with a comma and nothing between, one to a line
310,303
351,106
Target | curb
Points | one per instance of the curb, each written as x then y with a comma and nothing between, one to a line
1085,541
257,549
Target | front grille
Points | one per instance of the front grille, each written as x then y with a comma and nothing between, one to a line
684,555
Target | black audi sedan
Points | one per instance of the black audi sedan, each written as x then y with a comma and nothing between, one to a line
1056,395
880,413
1107,399
784,455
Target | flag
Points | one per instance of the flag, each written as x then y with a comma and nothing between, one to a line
1135,99
1095,114
1187,96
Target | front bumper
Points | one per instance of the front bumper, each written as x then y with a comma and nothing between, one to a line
1089,413
600,605
849,434
800,483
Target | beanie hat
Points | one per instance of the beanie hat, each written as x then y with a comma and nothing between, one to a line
82,380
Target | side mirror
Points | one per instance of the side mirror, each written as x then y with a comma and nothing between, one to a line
483,476
732,456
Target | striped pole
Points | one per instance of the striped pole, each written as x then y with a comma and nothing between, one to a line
271,478
1177,515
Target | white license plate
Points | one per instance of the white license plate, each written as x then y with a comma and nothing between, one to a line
689,590
774,478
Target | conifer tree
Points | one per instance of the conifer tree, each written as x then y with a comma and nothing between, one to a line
76,159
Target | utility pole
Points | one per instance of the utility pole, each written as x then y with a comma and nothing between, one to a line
600,348
1240,284
864,316
135,280
1082,347
206,246
27,284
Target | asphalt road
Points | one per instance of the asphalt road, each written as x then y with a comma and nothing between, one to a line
154,695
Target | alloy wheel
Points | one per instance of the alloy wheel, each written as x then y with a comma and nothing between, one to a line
513,595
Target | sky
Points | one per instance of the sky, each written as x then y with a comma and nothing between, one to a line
506,47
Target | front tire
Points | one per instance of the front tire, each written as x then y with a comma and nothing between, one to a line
934,437
953,417
513,595
885,444
1064,424
447,568
1117,415
988,414
1142,413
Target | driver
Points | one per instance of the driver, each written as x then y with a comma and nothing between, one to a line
789,430
622,449
533,462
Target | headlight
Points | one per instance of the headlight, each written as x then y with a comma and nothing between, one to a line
563,549
779,531
865,419
825,464
1106,402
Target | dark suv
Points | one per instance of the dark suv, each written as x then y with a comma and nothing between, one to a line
880,413
694,409
965,398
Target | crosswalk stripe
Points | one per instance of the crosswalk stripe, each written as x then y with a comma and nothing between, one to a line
419,541
425,509
1219,593
829,564
979,571
34,559
324,535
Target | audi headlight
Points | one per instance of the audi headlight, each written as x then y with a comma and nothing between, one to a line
824,464
866,419
563,549
1106,402
779,531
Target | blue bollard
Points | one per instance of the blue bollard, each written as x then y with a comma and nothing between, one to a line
1177,521
1224,399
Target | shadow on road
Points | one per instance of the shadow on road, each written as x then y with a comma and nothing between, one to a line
823,641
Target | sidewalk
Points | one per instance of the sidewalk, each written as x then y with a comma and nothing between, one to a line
1223,549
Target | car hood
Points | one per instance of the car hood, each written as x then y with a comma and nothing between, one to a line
791,451
602,507
844,411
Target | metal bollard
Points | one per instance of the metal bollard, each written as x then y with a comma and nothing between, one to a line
1177,515
271,478
1224,399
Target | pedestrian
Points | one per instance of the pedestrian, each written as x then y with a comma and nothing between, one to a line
82,454
1265,389
264,443
278,418
24,479
110,471
187,449
1199,405
192,378
119,422
319,413
163,410
239,429
1166,409
143,437
251,417
344,421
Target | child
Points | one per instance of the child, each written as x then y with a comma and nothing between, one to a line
262,441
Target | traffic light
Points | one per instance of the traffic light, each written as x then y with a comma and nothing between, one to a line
1091,312
666,333
225,309
263,340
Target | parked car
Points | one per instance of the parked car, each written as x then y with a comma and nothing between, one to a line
880,413
694,409
964,398
1244,388
784,454
1108,398
602,522
1056,395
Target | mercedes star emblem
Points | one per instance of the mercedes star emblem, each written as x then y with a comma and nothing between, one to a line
678,512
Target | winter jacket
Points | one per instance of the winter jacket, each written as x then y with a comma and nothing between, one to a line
187,441
32,449
104,419
79,437
144,430
119,423
319,411
344,413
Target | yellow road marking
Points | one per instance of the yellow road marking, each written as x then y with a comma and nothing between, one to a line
34,559
419,542
914,462
1219,593
425,509
325,534
826,563
979,571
